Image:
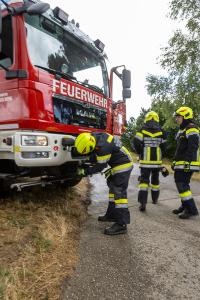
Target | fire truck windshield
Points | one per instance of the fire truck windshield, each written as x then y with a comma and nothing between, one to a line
60,51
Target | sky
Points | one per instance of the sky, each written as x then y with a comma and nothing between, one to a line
133,32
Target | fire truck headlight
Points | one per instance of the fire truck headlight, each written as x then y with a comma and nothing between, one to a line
34,140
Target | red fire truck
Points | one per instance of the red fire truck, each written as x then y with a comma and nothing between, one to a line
53,85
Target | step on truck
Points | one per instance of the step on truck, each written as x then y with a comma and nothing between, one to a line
54,84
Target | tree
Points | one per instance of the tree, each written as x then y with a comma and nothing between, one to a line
132,126
129,133
181,60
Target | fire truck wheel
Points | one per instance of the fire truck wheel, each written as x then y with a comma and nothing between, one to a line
4,191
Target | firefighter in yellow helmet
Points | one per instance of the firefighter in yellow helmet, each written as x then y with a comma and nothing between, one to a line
103,150
186,160
149,143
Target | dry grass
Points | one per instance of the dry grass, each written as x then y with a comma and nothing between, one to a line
39,238
196,176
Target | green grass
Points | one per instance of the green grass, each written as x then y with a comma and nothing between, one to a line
4,277
16,222
42,244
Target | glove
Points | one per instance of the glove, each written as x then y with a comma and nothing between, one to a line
81,172
187,166
107,173
173,165
164,172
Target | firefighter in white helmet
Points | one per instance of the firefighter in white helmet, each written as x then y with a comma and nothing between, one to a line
186,160
104,150
149,143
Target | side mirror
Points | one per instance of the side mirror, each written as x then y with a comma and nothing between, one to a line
38,8
126,79
126,93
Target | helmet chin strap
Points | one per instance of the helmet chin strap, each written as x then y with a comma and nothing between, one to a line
185,122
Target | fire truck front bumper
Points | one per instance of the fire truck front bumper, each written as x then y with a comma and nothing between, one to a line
36,149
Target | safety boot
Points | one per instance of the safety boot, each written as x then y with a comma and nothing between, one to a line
116,229
155,196
155,201
178,211
186,214
142,207
106,218
142,199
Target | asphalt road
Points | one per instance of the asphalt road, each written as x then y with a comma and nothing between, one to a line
159,258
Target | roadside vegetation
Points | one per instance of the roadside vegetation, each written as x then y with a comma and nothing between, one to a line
180,60
39,238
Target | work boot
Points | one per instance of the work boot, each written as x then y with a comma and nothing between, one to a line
155,196
186,214
116,229
178,211
106,218
142,207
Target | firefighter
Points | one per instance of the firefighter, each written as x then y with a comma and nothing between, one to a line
186,161
104,149
149,144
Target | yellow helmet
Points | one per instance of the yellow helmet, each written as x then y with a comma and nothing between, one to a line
185,112
85,143
152,115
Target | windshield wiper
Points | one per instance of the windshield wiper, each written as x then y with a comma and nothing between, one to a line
55,72
92,86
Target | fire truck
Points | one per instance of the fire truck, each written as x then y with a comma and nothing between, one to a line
54,84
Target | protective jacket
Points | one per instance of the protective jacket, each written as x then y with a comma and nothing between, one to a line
109,151
187,150
149,143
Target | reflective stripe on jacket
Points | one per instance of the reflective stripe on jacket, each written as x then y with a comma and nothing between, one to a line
148,143
187,150
109,151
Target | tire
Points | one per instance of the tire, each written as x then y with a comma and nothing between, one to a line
4,190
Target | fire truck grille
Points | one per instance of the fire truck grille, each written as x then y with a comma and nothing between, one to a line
73,112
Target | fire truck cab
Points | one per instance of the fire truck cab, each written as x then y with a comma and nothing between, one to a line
54,85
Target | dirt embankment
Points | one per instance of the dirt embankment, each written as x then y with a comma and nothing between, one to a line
39,238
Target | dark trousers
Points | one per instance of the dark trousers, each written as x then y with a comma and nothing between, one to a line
148,176
118,202
182,180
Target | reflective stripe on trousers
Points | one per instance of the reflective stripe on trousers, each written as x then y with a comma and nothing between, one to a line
111,197
186,195
121,203
143,186
148,175
155,187
118,184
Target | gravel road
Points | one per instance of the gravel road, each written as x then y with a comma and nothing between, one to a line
158,259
